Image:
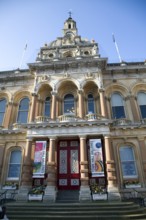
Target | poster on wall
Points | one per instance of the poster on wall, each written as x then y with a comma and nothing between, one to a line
39,159
96,158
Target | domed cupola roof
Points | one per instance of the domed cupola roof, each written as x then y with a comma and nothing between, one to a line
70,45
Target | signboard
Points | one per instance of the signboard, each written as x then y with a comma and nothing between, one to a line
96,158
39,159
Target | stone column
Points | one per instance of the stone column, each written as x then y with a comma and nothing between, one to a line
112,188
85,193
81,104
134,108
8,115
26,178
143,160
50,191
33,107
53,109
102,103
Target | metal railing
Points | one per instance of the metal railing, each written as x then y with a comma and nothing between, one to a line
3,197
135,196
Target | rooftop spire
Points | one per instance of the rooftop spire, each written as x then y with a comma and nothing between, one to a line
70,13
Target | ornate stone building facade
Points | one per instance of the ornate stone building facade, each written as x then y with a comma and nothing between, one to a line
72,119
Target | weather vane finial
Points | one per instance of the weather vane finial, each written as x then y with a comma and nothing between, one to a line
70,13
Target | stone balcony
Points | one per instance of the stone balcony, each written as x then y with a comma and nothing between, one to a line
121,121
94,117
41,119
69,117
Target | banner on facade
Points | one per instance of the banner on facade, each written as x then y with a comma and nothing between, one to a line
96,158
39,159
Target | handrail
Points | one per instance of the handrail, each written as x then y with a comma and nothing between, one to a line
141,198
135,196
3,197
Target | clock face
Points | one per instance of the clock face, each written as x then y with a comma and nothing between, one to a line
69,34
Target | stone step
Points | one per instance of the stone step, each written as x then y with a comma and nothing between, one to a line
87,211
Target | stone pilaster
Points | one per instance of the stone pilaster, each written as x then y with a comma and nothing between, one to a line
26,179
134,108
1,161
112,187
103,103
8,115
143,160
81,104
50,191
85,193
53,109
33,107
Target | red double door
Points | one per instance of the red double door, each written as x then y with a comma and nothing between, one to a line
68,165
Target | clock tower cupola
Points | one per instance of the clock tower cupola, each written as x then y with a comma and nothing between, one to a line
70,27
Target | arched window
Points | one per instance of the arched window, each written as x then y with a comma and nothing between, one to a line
14,165
142,103
69,103
117,106
23,111
2,110
128,162
47,107
90,102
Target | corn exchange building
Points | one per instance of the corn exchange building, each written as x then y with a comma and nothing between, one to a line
72,120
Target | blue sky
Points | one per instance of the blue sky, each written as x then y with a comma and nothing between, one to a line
40,21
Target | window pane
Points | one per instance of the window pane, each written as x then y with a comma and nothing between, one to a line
117,100
2,105
22,117
14,171
24,104
1,118
47,107
128,162
117,106
126,153
23,111
90,103
142,98
2,110
15,164
143,111
142,103
68,103
129,169
118,112
15,157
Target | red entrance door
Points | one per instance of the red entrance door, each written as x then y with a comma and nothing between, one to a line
68,165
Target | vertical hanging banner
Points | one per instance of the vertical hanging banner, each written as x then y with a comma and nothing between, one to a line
96,157
39,159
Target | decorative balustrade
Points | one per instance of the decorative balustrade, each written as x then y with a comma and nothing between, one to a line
17,126
41,119
92,117
122,121
67,118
